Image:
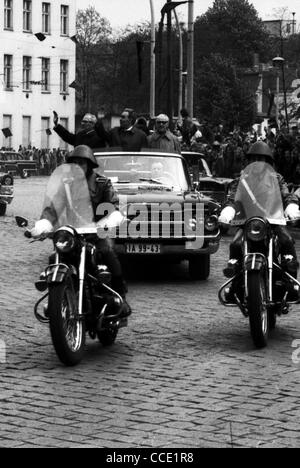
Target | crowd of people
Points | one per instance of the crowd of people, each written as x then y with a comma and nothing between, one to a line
47,160
225,151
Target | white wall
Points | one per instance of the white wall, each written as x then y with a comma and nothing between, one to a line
37,104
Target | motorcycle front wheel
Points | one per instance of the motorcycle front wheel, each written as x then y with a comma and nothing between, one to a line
257,309
67,331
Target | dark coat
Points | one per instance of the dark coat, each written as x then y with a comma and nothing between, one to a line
95,138
129,140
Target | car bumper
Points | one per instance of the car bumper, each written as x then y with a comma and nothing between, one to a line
183,250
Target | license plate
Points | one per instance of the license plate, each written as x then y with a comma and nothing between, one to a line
143,249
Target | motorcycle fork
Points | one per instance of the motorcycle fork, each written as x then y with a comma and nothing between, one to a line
268,274
81,279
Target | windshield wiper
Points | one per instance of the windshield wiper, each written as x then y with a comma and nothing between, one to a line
154,181
123,182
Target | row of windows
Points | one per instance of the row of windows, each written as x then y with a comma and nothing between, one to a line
27,17
27,131
27,74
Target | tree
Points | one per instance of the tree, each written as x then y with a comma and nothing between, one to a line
231,28
93,48
220,95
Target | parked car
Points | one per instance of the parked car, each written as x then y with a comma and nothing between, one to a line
166,216
14,163
215,187
6,191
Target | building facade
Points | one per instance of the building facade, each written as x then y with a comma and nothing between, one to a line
37,65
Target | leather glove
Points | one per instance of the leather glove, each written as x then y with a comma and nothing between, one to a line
111,221
227,215
41,228
292,211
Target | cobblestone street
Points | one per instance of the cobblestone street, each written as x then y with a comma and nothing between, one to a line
183,374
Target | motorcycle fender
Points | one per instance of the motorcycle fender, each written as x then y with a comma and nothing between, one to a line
58,273
254,262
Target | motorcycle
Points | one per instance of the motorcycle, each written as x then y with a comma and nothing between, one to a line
259,283
78,285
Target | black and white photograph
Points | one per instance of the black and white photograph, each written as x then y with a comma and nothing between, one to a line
149,226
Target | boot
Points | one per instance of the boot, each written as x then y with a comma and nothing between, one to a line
120,286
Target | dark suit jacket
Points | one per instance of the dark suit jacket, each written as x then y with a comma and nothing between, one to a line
129,140
95,138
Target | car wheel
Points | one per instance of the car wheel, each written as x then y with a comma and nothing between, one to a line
24,174
3,207
199,267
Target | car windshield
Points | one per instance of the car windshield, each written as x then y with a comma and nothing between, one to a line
67,197
144,170
258,194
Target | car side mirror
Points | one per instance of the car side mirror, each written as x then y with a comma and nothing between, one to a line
21,222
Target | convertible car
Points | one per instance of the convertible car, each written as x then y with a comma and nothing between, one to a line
165,216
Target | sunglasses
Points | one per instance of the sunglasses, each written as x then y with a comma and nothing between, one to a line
160,122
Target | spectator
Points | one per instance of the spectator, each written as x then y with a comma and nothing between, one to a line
187,128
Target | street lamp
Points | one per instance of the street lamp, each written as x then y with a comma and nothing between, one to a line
278,62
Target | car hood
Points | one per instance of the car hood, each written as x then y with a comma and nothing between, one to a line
157,194
217,180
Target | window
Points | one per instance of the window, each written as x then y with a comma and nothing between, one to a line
8,64
46,18
8,14
45,74
26,73
26,135
64,72
45,137
64,20
7,123
27,15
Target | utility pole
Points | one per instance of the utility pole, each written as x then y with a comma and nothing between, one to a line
190,60
180,77
152,64
169,66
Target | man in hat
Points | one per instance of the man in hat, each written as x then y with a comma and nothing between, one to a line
163,139
92,132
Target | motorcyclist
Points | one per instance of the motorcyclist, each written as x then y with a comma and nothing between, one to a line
260,151
101,191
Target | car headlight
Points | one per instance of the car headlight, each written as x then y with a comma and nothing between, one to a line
256,229
211,223
7,180
64,240
192,224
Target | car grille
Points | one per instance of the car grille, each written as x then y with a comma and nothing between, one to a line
153,223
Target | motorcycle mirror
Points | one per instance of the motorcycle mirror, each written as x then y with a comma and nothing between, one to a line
21,222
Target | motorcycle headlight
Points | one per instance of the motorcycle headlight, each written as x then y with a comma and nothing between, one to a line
211,223
64,240
256,229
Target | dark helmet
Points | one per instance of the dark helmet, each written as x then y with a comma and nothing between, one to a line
260,148
84,152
